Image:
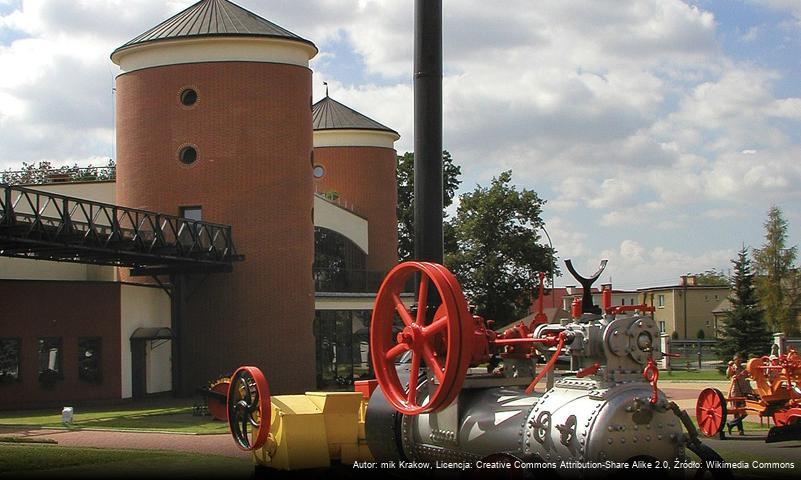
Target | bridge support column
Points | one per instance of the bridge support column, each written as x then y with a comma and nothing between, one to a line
178,326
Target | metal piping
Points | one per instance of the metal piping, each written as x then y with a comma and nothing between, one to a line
428,190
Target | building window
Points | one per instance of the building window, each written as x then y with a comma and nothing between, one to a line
187,155
318,171
50,360
188,230
660,301
662,326
340,265
89,369
192,213
9,359
188,97
342,339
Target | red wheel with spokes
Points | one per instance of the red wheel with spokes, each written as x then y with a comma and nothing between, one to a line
711,412
249,408
436,343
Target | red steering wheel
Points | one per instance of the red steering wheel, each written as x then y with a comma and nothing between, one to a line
436,343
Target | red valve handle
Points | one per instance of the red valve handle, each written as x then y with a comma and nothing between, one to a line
249,406
437,344
651,374
588,371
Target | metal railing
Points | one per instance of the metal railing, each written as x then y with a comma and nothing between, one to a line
335,198
694,354
47,225
60,175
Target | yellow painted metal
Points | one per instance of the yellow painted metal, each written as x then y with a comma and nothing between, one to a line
311,430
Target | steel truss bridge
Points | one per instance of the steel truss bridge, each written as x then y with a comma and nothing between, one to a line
37,224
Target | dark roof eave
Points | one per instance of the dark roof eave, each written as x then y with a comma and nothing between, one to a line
129,46
682,287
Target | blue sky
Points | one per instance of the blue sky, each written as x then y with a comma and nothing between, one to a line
659,131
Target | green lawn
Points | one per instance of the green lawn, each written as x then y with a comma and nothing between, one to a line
168,419
72,462
683,375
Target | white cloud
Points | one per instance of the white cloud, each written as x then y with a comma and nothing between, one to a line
636,266
621,111
568,240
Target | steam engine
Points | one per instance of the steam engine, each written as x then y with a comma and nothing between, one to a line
605,408
449,389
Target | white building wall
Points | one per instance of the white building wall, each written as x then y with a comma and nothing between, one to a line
336,218
143,306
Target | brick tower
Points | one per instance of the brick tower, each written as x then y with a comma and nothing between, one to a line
214,122
355,156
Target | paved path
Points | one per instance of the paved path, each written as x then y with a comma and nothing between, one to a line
206,444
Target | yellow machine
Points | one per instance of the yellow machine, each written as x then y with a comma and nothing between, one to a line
296,422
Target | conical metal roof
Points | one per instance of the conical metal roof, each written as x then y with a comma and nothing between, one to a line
328,114
213,18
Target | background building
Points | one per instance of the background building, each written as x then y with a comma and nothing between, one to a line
686,308
214,123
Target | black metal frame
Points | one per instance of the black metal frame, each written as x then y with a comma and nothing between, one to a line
50,226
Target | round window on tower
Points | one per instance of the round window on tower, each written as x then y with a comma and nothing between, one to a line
318,171
188,97
187,155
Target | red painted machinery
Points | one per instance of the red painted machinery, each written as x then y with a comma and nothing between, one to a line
777,397
448,345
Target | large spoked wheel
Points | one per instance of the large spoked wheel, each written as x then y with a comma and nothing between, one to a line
249,408
710,411
435,343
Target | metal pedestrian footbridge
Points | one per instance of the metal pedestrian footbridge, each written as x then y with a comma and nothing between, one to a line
38,224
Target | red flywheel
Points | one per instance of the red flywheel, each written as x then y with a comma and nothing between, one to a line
435,342
249,408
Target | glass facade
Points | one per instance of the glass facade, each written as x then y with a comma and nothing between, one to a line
343,348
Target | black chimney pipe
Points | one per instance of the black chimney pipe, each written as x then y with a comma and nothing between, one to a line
428,195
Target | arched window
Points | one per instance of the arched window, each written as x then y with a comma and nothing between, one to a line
339,264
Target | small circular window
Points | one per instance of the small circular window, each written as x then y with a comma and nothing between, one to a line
188,97
187,155
318,171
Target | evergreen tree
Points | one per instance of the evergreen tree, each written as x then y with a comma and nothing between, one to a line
777,283
745,331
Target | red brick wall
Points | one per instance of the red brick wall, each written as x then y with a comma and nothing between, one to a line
252,129
32,309
365,176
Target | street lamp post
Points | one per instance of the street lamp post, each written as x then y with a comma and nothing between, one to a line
550,244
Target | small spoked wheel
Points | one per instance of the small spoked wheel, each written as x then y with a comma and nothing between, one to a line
435,342
710,411
249,408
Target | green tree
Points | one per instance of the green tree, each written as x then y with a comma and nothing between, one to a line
777,281
711,278
450,182
496,231
745,330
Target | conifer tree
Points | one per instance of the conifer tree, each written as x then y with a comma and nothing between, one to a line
745,331
778,281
